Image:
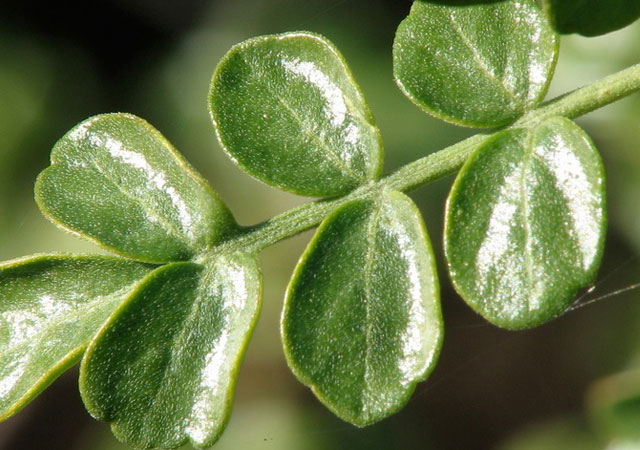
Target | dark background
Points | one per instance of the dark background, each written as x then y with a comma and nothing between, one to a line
60,63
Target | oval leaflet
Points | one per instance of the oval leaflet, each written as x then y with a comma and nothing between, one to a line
288,112
163,368
362,323
525,223
117,181
481,64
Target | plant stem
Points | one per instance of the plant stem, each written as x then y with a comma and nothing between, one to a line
437,165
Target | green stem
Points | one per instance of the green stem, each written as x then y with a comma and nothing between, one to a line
439,164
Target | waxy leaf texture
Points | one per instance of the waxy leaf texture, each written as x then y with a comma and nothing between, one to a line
163,369
525,223
480,64
119,182
362,322
51,306
288,112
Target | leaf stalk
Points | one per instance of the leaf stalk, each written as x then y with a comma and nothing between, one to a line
437,165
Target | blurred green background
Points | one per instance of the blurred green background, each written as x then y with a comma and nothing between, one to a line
492,389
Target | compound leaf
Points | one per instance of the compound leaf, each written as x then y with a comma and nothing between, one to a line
591,17
50,307
288,112
163,368
362,323
117,181
479,64
525,223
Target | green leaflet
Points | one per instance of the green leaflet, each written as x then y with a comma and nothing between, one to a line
362,323
480,65
288,112
163,368
591,17
117,181
50,307
525,223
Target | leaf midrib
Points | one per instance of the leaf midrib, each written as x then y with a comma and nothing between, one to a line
176,347
64,318
524,199
333,156
149,209
372,232
484,67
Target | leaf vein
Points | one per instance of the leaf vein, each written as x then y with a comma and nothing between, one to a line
333,156
524,200
372,229
150,210
480,61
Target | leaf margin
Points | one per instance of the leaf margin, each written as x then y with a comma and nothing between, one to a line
186,439
378,159
227,228
590,274
477,124
73,356
430,365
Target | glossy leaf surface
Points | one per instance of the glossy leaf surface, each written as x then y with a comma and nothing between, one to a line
289,113
525,223
50,307
163,369
362,323
119,182
591,17
479,65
